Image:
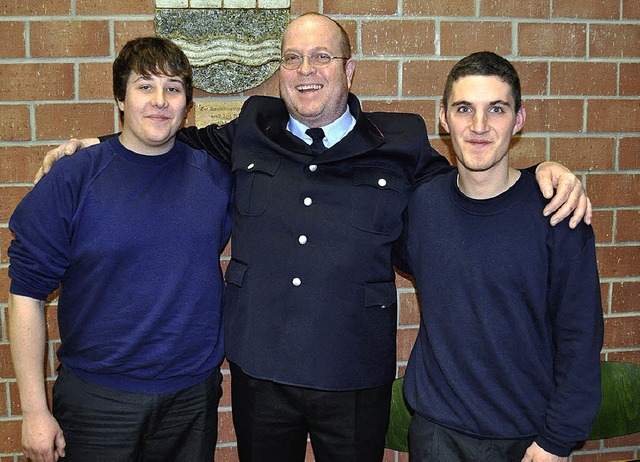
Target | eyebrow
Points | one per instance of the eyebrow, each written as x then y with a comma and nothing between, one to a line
491,103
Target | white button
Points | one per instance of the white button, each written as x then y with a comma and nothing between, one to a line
296,282
382,182
308,201
250,166
313,167
302,239
383,306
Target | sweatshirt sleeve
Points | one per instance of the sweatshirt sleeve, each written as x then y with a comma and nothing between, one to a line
576,316
39,252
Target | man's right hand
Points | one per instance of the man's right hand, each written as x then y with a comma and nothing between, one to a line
65,149
42,438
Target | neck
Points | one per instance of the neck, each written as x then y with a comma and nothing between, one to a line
486,184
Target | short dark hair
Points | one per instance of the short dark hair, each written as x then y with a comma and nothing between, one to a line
150,56
485,63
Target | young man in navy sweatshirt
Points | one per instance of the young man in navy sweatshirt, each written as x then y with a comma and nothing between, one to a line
132,229
507,361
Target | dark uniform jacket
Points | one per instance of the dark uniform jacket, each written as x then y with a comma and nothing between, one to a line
311,296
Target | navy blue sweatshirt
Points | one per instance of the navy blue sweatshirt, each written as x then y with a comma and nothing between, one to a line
511,328
135,243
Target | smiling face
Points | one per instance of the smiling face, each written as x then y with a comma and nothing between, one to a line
154,107
481,118
315,96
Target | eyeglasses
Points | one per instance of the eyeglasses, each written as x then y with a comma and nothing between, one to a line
293,61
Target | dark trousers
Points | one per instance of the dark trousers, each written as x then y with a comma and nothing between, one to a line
272,421
103,424
430,442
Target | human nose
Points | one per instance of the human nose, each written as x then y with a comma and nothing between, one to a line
305,66
479,122
159,98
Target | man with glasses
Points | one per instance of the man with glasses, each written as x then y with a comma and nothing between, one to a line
310,310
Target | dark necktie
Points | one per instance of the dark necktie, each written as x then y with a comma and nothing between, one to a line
316,134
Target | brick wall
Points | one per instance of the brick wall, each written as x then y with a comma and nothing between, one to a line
579,61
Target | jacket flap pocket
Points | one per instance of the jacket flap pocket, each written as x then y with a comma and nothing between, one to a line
259,163
382,294
235,273
381,178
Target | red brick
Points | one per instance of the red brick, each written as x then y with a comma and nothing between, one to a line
299,7
629,81
11,195
5,240
64,121
35,7
12,43
602,222
95,81
425,77
405,342
613,115
403,280
614,190
438,8
586,9
55,39
16,125
381,78
20,164
409,309
463,38
4,286
553,115
533,77
525,152
622,332
10,435
626,297
628,227
227,454
127,30
226,433
6,368
16,407
424,108
3,400
51,318
595,78
628,158
36,81
114,7
630,9
443,145
552,39
621,441
603,457
630,356
614,40
584,153
372,7
398,37
515,8
618,261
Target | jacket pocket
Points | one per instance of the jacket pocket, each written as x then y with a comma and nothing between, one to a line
378,199
254,182
380,294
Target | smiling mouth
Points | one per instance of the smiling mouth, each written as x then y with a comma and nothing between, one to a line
311,87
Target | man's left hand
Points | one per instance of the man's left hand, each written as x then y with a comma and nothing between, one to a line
570,196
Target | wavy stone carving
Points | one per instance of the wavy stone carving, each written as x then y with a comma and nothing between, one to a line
230,50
